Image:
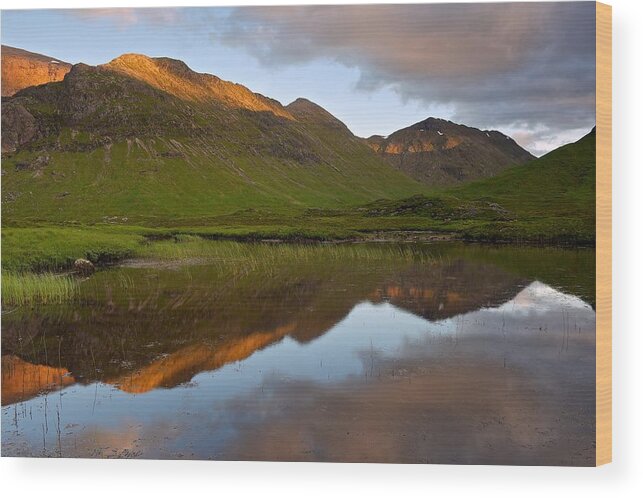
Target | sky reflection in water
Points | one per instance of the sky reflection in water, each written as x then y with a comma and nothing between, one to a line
410,364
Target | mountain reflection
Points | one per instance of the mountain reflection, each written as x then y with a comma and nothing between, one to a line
180,366
146,328
22,380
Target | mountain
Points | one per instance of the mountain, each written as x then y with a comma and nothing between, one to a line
442,153
551,199
21,69
176,78
151,141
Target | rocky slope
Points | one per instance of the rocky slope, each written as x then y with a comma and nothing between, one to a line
176,78
439,152
22,69
308,112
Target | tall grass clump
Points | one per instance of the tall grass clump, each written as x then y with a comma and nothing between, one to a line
243,257
19,289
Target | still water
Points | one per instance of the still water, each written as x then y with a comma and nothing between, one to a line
370,353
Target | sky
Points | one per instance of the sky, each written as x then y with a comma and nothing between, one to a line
526,69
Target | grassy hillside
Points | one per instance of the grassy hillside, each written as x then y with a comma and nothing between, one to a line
109,145
551,200
553,196
167,181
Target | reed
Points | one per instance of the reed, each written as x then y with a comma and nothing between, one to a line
251,255
19,289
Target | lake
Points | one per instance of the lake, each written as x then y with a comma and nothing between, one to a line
415,353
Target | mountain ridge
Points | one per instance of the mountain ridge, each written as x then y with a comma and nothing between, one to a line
176,78
439,152
149,139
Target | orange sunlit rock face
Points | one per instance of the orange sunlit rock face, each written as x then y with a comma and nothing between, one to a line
22,380
439,152
22,69
452,142
184,364
176,78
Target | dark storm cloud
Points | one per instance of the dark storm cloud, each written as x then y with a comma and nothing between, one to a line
528,67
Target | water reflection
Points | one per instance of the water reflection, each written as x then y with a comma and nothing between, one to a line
472,355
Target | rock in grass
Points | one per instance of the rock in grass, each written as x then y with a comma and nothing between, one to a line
84,267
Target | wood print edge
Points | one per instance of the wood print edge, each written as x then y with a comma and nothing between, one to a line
603,234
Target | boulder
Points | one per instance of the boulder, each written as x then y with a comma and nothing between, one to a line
84,267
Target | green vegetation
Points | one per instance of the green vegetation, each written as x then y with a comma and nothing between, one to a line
60,247
107,181
56,248
139,184
253,255
552,198
91,206
44,288
549,200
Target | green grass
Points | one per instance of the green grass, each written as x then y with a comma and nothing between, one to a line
19,289
229,258
32,255
137,185
139,162
549,200
251,255
552,198
56,248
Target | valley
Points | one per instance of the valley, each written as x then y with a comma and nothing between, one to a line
112,157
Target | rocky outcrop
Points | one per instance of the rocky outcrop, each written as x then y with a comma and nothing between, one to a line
18,126
22,69
439,152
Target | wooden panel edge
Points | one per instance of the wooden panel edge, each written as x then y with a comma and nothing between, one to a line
603,233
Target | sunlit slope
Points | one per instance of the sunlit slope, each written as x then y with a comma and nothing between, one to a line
22,69
441,153
112,145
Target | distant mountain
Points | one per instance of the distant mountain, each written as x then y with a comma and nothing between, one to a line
21,69
149,139
440,153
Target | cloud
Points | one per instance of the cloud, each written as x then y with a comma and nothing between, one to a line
528,66
131,16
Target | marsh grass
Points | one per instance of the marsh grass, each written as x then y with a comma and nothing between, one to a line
19,289
260,254
52,249
226,260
